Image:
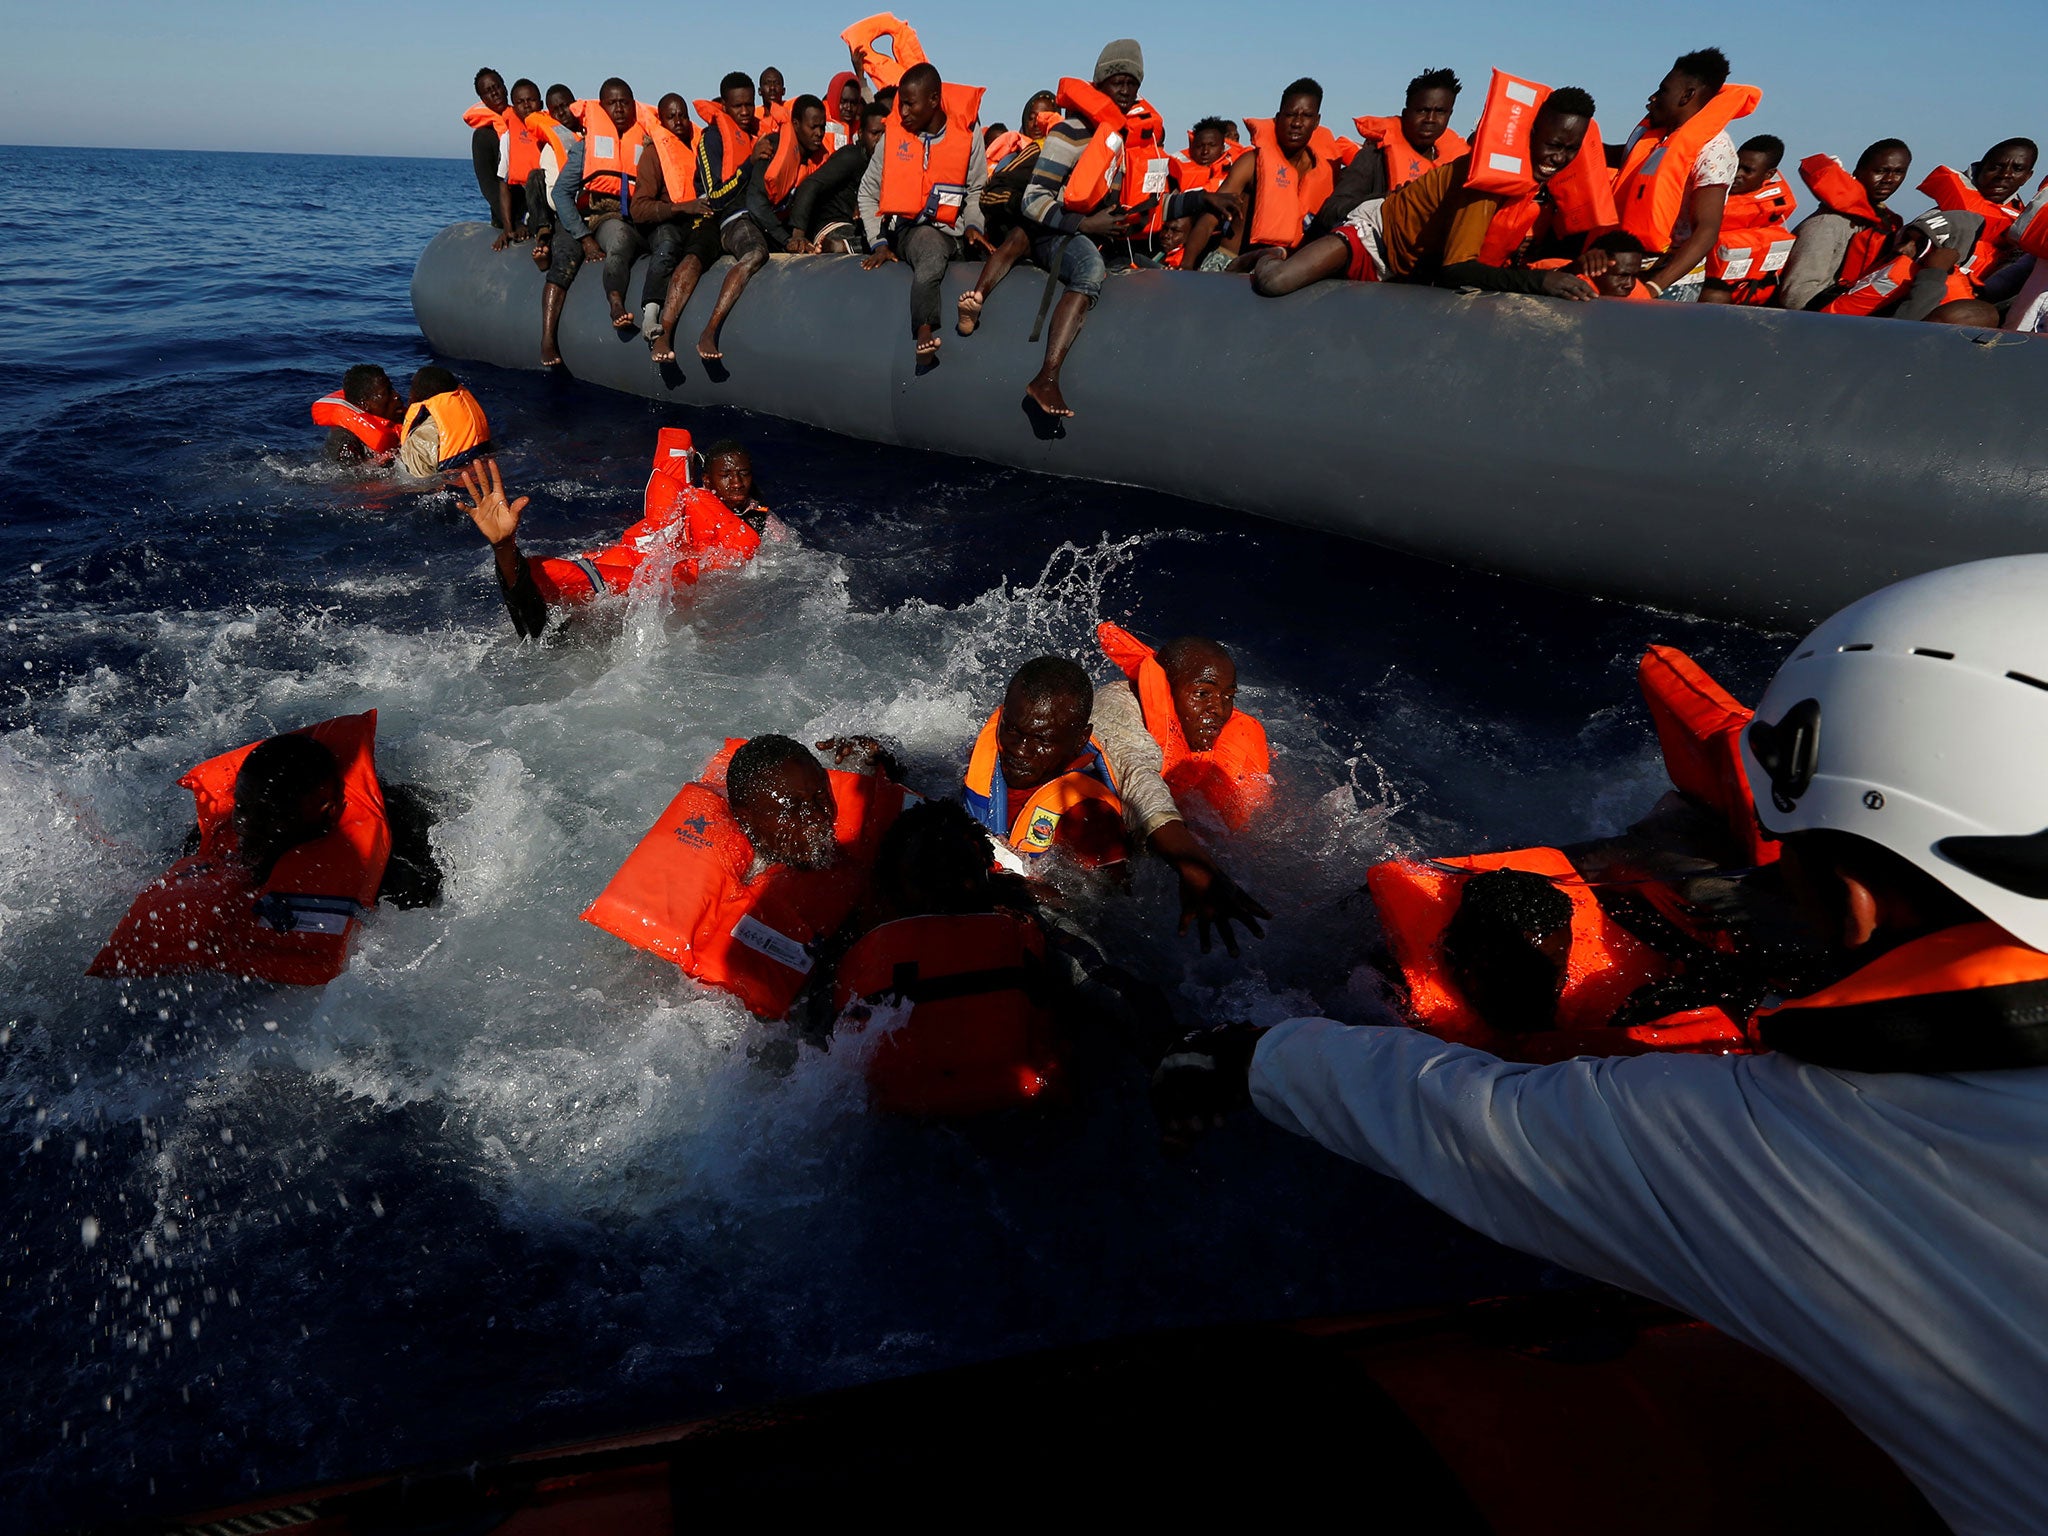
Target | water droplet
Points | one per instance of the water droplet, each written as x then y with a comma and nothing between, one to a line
89,1229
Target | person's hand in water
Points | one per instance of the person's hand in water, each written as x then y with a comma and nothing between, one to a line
1201,1081
495,518
1209,898
862,754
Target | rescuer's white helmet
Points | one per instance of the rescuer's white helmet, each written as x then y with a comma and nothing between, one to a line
1918,718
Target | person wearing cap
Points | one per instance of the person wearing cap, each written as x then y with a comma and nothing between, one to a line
1862,1199
1063,242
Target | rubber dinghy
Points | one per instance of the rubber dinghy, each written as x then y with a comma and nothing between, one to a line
1747,463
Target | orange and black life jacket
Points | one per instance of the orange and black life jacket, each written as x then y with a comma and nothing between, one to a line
979,1036
207,913
1033,829
735,144
1284,199
1404,161
884,69
1234,777
927,178
1649,189
688,892
1579,196
465,434
375,433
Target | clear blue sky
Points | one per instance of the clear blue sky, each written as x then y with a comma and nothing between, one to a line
371,77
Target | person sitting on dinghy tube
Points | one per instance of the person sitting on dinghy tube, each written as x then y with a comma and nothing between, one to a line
1861,1199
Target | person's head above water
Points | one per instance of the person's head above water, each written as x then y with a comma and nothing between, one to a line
1693,80
430,381
773,87
1559,131
1426,113
736,95
1203,681
561,105
675,115
616,97
933,862
1506,947
782,798
920,99
1301,113
1755,161
729,474
2004,168
1045,721
490,88
525,98
1882,169
368,388
1208,139
807,122
288,792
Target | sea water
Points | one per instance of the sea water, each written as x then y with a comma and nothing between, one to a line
508,1180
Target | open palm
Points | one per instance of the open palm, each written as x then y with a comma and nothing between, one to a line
495,518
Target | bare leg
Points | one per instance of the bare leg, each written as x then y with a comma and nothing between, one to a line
1044,388
551,300
681,284
1015,247
1278,274
743,270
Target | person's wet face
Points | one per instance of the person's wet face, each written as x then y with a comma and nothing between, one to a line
675,114
790,816
772,87
739,106
809,128
1207,146
1036,738
386,402
2002,171
1752,169
1204,696
850,103
1619,280
1668,104
730,477
525,100
1883,173
1554,143
619,106
490,89
917,105
1121,88
561,107
1427,115
1299,118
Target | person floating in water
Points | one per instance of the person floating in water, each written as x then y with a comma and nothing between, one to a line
1213,754
444,426
362,418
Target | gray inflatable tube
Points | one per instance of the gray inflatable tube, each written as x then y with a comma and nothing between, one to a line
1753,464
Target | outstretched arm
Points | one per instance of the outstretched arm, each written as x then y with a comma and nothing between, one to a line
498,521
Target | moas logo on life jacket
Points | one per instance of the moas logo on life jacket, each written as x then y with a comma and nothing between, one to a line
1282,176
695,831
903,149
1044,823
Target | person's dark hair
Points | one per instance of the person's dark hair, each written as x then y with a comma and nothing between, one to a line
2033,150
1709,66
522,80
1303,87
747,774
1490,945
360,383
1218,125
273,781
1184,652
1435,80
724,448
993,132
1569,101
558,90
486,73
804,104
1031,105
933,861
1881,147
1768,145
1052,677
433,380
885,98
615,80
734,80
874,109
924,76
1616,241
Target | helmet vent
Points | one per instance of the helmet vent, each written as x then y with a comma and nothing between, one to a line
1847,648
1921,650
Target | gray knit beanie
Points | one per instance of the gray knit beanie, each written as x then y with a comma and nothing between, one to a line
1122,57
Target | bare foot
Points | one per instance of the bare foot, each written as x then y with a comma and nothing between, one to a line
622,319
550,357
663,348
970,311
540,254
707,348
1046,395
927,344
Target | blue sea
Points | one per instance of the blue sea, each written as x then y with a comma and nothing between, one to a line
508,1181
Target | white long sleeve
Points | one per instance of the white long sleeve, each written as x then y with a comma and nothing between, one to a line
1886,1236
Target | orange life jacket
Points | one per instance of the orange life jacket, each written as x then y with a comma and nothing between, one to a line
1234,777
1148,167
771,118
1580,196
678,164
1754,243
735,144
477,115
1125,156
374,432
1284,199
1649,189
1190,177
1033,830
683,892
1699,728
1404,161
1967,998
2030,230
884,69
927,178
611,159
207,913
1953,193
1004,145
787,169
1839,192
465,434
546,131
1606,964
1881,285
979,1038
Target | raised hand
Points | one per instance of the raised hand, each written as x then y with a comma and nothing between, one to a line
495,518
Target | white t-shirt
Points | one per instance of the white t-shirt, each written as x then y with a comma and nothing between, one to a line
1715,167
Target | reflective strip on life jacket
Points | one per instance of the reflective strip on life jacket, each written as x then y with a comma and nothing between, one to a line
207,914
1404,161
1284,199
375,433
1875,289
611,159
927,178
1649,189
979,1038
884,69
1032,832
1234,777
1699,729
465,434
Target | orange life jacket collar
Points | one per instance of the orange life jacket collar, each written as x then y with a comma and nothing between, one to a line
1649,189
1233,776
1404,161
376,433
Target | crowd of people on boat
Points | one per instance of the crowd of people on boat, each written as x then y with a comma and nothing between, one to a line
894,162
